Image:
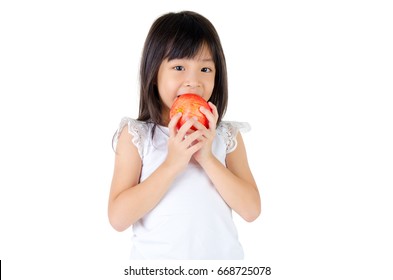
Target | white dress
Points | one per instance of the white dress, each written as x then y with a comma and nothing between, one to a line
192,221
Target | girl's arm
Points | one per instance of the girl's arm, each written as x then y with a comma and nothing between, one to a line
235,182
130,200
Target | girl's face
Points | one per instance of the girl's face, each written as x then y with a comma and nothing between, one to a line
180,76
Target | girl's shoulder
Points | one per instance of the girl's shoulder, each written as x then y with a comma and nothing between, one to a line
139,131
228,130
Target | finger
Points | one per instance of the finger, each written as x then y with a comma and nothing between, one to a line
172,124
214,110
200,127
194,148
195,136
185,127
212,116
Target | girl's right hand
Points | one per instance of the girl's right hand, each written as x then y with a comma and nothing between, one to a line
181,145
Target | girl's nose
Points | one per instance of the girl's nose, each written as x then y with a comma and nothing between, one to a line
191,84
192,81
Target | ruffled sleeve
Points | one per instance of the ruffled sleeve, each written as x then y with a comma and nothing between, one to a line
229,130
137,129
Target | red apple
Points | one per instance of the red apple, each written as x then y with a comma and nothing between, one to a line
188,104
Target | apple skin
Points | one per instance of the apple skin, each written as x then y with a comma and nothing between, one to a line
188,104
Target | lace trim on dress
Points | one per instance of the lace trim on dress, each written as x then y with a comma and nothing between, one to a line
137,129
228,130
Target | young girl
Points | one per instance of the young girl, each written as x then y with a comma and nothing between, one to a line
177,187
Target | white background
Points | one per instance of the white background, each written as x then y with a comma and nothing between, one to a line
313,78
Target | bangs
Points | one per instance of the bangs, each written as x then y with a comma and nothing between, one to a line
187,40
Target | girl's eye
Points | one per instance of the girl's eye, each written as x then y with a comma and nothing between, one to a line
206,70
178,68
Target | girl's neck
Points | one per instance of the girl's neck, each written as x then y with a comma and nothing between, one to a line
165,117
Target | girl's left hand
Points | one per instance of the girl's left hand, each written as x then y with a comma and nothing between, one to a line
208,134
